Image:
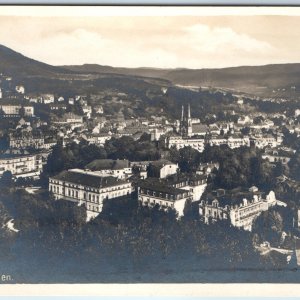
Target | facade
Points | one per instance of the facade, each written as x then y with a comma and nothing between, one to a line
231,141
47,98
240,209
195,184
11,110
21,164
163,196
162,168
87,188
266,141
26,140
180,142
97,138
70,118
20,89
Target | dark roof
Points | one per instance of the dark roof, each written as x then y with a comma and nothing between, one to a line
176,178
104,164
158,186
88,179
232,197
199,128
161,163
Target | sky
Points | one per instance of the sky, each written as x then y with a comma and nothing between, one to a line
196,40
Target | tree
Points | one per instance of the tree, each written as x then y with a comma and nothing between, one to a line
269,225
6,179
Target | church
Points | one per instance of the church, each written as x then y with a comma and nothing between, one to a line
189,126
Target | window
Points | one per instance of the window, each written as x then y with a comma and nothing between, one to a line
90,197
76,194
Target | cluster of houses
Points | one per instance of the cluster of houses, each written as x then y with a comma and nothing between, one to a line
31,137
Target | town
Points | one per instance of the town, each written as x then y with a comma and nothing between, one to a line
235,165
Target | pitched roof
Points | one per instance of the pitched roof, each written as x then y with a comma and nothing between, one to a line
88,179
105,164
161,163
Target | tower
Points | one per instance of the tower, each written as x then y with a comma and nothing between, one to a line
189,122
186,129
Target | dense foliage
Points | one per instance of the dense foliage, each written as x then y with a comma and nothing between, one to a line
125,243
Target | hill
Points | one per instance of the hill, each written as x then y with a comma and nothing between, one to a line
252,79
260,80
15,64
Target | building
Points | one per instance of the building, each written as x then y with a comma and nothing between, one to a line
195,184
21,164
16,110
240,207
87,110
96,138
98,109
47,99
25,140
268,140
180,142
166,197
20,89
109,167
162,168
88,188
233,141
70,118
207,168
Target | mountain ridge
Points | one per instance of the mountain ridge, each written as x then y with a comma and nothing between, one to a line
250,79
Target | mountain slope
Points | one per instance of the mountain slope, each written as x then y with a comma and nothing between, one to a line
15,64
251,79
245,78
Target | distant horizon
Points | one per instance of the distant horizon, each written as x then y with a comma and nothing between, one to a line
155,68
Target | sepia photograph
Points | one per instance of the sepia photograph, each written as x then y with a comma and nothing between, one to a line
149,145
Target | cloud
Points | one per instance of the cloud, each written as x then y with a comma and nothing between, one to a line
207,39
150,43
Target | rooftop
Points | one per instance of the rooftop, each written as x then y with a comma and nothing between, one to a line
87,179
105,164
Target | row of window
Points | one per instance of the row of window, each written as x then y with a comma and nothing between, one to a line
165,196
161,203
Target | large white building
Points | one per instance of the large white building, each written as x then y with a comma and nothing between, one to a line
240,208
88,188
262,141
195,184
26,140
14,110
233,141
21,164
163,196
180,142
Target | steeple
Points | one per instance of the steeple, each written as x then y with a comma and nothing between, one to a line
182,113
189,111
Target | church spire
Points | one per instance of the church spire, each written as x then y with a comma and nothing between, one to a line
189,111
182,113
